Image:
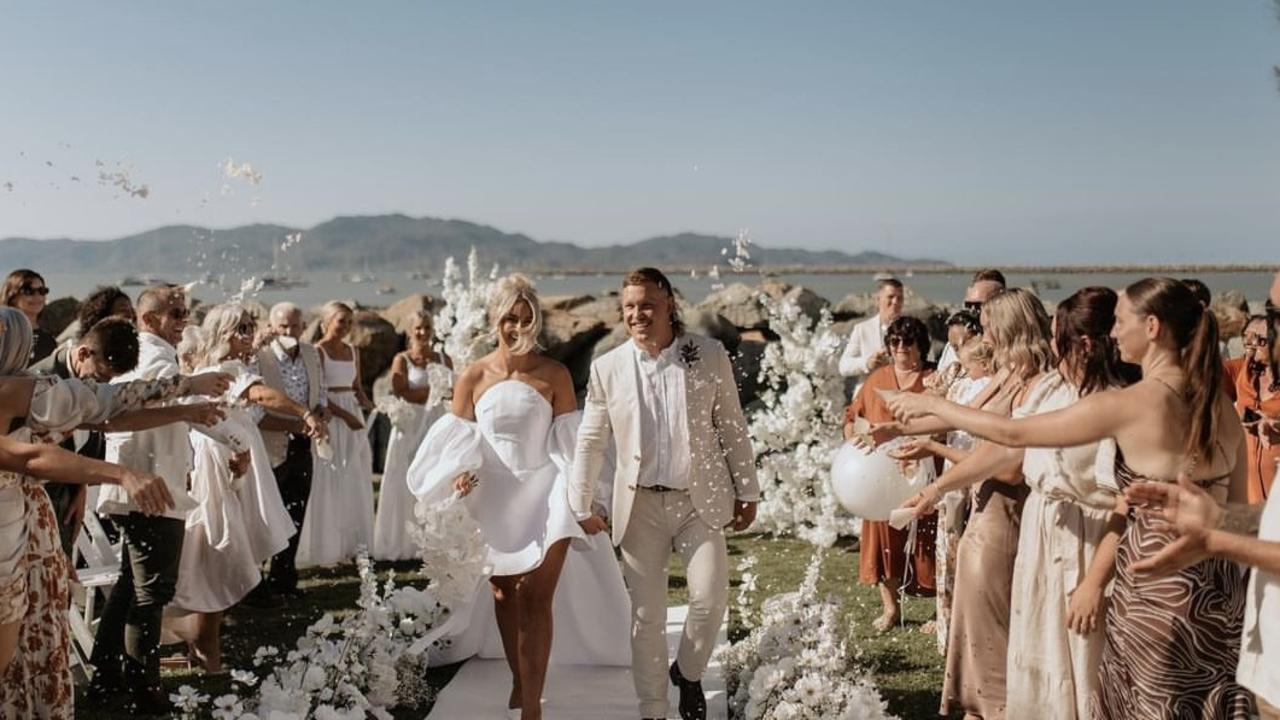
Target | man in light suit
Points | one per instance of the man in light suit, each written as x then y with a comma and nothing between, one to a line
295,368
865,351
685,471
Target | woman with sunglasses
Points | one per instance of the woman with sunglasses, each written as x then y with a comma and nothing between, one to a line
240,521
26,291
884,556
1256,391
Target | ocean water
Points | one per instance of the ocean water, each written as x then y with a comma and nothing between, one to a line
388,287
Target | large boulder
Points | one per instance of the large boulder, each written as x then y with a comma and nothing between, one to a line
854,305
403,309
747,359
608,309
59,314
565,302
571,338
738,304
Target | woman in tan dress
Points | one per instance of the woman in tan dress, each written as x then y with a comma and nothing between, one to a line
884,557
1172,643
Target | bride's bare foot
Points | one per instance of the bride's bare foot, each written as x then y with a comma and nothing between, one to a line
208,660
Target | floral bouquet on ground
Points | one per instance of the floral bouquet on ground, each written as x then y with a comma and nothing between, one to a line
794,666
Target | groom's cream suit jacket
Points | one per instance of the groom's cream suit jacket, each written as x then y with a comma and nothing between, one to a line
722,465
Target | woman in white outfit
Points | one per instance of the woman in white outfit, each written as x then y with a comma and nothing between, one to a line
339,520
422,381
508,447
241,520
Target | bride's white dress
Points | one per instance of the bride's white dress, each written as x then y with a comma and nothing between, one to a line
522,457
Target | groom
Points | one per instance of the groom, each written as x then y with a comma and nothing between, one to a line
685,471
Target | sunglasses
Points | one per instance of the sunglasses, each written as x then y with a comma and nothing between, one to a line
179,313
900,342
1255,340
246,329
974,305
29,290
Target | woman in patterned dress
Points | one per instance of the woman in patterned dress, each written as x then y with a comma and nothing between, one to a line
1172,643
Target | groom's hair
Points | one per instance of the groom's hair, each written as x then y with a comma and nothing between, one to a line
654,276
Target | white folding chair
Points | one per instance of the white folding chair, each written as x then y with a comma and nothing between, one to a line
102,569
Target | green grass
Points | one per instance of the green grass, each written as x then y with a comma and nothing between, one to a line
904,663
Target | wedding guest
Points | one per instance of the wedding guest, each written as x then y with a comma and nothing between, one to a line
240,522
1016,326
105,301
421,378
984,284
339,519
295,368
961,326
865,351
507,448
35,573
26,291
884,560
1174,421
1199,290
126,648
1257,399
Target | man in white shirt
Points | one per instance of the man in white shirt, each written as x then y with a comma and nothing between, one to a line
865,351
293,367
128,638
685,471
984,285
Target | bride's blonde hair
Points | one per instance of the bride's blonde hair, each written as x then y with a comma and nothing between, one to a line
507,292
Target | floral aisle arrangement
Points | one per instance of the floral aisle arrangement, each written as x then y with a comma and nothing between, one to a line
798,430
462,323
794,666
371,660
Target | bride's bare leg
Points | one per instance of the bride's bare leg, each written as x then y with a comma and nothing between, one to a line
506,605
207,646
537,591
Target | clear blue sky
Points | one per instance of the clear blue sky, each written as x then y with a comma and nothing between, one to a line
992,131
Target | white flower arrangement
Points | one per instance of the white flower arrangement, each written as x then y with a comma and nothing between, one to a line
794,666
402,413
798,430
463,322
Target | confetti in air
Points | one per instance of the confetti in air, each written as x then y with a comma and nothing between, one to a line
242,171
121,179
741,251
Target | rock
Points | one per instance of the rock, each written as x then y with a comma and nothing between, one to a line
854,305
565,302
400,312
571,339
747,359
700,321
616,337
737,304
59,314
811,303
607,309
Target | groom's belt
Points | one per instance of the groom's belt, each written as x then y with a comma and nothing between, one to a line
662,488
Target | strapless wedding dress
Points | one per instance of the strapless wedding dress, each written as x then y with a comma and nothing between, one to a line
522,457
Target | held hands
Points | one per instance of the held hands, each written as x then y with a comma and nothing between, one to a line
744,514
239,464
1189,511
212,383
203,413
464,484
597,523
314,427
1086,608
148,491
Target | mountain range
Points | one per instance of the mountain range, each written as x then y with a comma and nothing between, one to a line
381,242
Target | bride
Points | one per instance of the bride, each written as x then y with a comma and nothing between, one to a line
508,448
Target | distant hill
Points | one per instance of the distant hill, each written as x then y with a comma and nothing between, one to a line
392,241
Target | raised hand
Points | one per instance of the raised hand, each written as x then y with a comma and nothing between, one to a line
148,491
210,383
203,413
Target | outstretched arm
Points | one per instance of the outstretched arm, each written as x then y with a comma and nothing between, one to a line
987,460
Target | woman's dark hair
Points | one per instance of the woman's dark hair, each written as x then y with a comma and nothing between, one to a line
97,306
115,340
910,329
1082,336
15,282
1200,290
1194,331
966,319
654,276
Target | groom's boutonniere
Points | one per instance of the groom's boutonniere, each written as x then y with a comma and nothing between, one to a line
688,354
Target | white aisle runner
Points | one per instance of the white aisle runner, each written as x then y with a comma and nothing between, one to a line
573,692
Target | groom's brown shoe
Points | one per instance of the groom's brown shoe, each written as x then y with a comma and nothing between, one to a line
693,704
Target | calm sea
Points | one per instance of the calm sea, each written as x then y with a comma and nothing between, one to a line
387,287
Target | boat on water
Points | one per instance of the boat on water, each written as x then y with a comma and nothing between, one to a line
358,277
283,282
386,289
419,275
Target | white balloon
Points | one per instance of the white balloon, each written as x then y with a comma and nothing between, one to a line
870,484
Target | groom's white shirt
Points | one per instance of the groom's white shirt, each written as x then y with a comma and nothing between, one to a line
664,422
721,465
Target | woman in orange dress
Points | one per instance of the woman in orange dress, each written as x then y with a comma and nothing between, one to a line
884,549
1257,396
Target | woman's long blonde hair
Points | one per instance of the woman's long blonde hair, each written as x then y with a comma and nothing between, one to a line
210,343
1019,328
509,291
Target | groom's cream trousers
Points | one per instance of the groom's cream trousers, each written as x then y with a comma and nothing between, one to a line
662,522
